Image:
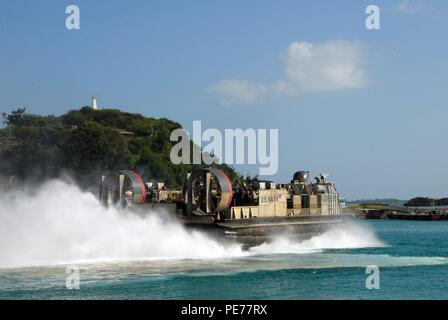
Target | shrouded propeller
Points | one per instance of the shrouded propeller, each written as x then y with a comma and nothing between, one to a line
207,192
123,189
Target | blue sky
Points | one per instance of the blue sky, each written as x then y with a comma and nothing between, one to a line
380,130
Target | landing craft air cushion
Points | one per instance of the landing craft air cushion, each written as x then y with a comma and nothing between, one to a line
250,213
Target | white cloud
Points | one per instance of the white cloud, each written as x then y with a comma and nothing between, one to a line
234,90
410,6
324,67
330,66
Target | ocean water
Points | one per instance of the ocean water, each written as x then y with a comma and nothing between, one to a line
129,256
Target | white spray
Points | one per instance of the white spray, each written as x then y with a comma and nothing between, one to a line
349,235
61,224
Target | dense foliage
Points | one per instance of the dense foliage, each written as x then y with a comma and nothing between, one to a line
426,202
382,202
86,143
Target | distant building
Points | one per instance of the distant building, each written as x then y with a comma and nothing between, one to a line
94,105
124,133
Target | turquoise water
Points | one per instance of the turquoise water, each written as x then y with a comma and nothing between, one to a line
412,258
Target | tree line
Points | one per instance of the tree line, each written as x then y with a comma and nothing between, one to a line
426,202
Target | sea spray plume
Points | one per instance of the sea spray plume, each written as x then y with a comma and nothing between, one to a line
58,223
61,224
348,235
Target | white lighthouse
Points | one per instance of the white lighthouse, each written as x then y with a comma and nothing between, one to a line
94,106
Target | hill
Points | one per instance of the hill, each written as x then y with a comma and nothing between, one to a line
86,143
